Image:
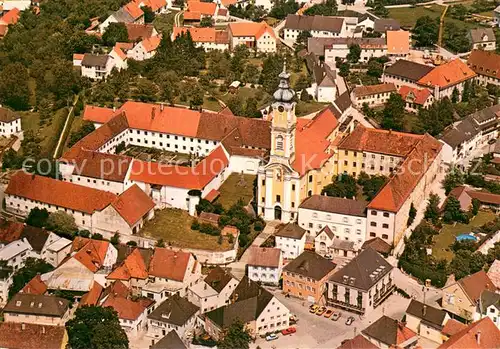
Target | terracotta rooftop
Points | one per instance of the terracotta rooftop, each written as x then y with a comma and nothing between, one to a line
448,74
476,283
204,8
127,308
369,90
485,63
151,44
92,297
91,253
133,204
169,264
250,29
414,95
482,334
35,286
390,332
264,257
452,327
203,34
358,342
133,267
30,336
398,42
11,17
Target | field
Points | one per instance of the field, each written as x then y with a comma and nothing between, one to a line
174,227
236,187
441,248
49,132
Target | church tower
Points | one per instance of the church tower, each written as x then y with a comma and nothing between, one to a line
284,121
278,182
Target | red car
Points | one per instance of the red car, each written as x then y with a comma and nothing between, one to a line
289,330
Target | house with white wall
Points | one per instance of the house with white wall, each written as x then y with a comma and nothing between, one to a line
97,67
318,26
361,285
338,47
482,39
372,95
16,253
489,306
10,122
426,320
145,49
265,265
176,313
257,36
256,307
486,64
214,291
55,249
129,13
209,39
37,309
291,240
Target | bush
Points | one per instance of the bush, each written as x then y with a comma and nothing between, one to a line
243,240
115,240
131,243
195,225
424,272
37,217
209,229
98,236
258,226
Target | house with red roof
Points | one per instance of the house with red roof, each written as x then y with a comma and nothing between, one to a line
482,334
9,18
390,333
145,49
416,98
119,54
128,13
88,263
196,10
208,38
257,36
171,272
93,209
133,270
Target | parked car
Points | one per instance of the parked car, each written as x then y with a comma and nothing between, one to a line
293,319
328,313
271,337
349,321
328,256
313,308
288,330
320,311
336,315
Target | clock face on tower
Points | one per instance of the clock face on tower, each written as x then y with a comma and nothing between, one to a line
281,109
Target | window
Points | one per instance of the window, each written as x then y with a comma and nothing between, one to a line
293,186
373,224
279,142
374,213
385,236
310,179
310,225
385,226
315,215
386,214
278,198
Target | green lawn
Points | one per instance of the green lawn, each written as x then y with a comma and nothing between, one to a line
165,22
174,227
446,237
236,186
49,132
408,16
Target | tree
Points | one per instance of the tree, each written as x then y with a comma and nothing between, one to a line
371,184
455,95
96,328
206,22
344,69
327,8
302,82
32,267
375,68
115,239
432,211
302,38
115,32
411,215
160,243
344,186
37,217
283,8
14,89
86,128
452,211
62,223
380,10
455,38
476,204
393,116
425,32
250,74
236,336
354,53
149,15
466,91
271,68
454,178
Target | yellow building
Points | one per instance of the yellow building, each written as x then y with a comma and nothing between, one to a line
302,157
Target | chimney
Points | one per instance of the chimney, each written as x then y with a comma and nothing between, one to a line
424,310
153,111
161,106
23,326
478,337
43,330
114,108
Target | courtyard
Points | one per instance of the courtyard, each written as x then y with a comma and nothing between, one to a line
159,155
173,226
235,187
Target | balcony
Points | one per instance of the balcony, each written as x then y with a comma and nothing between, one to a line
380,297
346,306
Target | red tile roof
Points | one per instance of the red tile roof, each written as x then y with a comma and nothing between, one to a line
485,63
132,267
192,16
482,334
452,327
10,230
133,9
311,143
78,56
133,204
379,141
155,5
473,285
368,90
448,74
484,197
203,34
212,195
35,286
91,253
137,32
395,192
204,8
92,297
59,193
398,42
415,95
97,114
151,44
265,257
30,336
11,17
251,29
169,264
127,308
181,176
